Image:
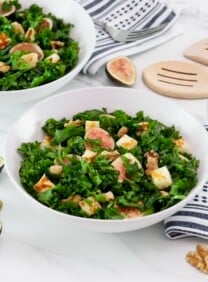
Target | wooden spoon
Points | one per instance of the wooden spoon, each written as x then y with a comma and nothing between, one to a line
177,79
198,52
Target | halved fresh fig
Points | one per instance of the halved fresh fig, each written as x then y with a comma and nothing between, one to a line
97,133
8,11
46,23
122,70
30,47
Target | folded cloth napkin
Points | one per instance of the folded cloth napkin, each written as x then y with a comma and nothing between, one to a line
128,15
191,220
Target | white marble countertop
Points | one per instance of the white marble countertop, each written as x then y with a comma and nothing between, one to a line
34,248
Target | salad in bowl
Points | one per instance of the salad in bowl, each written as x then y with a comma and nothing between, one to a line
107,159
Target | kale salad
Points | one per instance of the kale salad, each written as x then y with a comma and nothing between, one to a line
108,165
35,47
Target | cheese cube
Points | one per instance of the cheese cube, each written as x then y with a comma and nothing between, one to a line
43,184
161,177
89,155
181,144
109,196
89,206
127,142
91,124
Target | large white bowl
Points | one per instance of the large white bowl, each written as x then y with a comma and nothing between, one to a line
83,32
28,128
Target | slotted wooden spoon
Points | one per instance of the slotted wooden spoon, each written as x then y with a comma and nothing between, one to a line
177,79
198,52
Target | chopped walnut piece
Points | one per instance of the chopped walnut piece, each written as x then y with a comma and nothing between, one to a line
73,198
57,44
199,258
76,122
152,161
30,34
46,142
129,212
4,40
110,155
109,196
122,131
164,193
53,58
4,67
143,126
56,169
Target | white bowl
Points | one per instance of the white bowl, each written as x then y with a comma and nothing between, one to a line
28,128
83,32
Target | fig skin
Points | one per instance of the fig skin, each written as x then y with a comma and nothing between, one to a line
121,70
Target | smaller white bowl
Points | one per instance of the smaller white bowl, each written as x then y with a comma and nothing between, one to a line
66,104
83,32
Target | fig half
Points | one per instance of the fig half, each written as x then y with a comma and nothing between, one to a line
122,70
46,23
30,47
8,11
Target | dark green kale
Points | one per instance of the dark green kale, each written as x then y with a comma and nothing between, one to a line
82,181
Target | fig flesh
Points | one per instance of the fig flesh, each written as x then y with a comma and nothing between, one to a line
122,70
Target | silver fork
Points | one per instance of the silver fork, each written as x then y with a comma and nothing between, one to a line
129,35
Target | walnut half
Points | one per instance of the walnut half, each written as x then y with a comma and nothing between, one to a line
4,40
199,258
4,67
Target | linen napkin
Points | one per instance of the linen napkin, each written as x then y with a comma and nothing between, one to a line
128,15
191,220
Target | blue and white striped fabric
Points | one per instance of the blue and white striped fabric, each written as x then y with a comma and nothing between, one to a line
192,220
127,15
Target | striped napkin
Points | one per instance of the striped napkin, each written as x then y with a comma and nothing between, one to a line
191,220
128,15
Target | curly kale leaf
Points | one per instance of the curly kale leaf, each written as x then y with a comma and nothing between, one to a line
51,125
